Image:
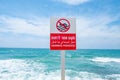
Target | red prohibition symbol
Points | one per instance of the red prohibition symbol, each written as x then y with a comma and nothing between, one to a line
63,25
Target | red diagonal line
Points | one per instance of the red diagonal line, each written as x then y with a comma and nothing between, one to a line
62,25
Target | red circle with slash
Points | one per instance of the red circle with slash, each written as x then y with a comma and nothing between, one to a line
63,25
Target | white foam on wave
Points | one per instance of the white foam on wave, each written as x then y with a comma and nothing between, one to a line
113,77
55,75
83,76
105,59
16,69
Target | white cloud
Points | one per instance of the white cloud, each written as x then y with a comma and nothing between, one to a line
73,2
38,27
17,27
97,27
95,32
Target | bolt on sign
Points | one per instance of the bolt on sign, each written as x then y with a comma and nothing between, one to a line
63,34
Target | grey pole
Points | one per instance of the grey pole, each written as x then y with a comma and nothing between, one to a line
63,65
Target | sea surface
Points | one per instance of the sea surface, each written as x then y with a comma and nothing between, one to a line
44,64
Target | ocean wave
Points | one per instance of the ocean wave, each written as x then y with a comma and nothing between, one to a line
82,75
105,59
113,77
16,69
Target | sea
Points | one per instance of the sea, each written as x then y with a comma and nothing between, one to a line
44,64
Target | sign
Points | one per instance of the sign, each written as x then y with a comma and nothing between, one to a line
62,34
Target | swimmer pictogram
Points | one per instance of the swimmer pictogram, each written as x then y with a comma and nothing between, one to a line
63,25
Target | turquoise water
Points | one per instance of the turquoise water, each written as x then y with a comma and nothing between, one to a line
43,64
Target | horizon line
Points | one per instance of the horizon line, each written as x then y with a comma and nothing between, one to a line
66,50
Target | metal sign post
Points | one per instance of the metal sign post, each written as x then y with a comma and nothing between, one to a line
62,37
63,65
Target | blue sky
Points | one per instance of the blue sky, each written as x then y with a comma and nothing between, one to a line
26,23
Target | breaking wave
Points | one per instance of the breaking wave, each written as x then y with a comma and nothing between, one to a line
17,69
104,59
